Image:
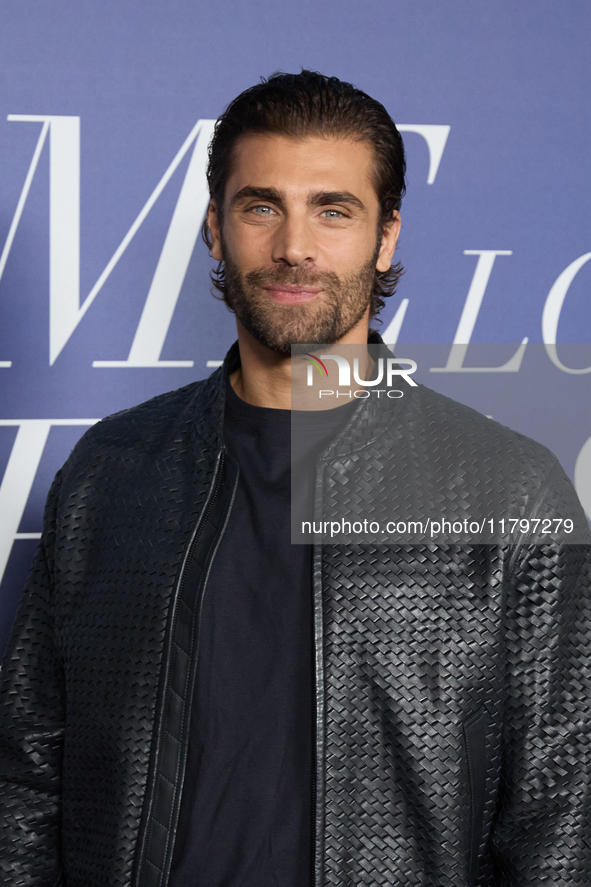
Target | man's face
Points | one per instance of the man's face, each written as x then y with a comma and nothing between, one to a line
300,237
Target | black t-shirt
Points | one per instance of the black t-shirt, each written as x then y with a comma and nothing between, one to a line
246,811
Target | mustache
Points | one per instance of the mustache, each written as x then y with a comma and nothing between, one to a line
299,276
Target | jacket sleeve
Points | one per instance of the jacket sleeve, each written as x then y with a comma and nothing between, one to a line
31,731
542,833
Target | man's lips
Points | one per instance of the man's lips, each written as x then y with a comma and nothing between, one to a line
292,294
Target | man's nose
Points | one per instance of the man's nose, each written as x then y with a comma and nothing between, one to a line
294,241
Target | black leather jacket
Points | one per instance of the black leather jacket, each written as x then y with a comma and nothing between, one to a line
453,682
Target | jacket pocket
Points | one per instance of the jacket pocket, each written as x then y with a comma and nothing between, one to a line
475,743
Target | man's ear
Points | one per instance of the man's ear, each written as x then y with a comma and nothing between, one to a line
388,245
213,223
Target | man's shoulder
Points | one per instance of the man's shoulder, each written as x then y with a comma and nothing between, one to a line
158,410
154,424
462,452
468,431
455,456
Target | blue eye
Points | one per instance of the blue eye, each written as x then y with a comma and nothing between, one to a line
333,213
262,210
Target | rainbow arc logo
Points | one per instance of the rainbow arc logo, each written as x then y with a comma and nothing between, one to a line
315,362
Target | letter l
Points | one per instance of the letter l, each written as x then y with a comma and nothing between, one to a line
455,361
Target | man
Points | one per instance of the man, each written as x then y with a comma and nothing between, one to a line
189,699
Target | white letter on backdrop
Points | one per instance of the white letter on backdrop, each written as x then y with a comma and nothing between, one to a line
19,475
455,361
552,309
436,137
66,312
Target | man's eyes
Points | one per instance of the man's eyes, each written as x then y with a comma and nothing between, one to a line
262,209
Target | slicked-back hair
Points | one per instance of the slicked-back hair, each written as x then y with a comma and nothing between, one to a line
310,104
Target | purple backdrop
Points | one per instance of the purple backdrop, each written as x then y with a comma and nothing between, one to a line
102,194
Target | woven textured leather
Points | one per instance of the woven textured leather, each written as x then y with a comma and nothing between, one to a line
453,688
421,645
83,674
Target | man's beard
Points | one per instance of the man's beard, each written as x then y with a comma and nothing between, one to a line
323,320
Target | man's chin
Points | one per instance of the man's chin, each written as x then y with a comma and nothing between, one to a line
282,338
298,343
282,345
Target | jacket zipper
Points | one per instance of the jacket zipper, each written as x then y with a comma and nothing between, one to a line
201,523
197,536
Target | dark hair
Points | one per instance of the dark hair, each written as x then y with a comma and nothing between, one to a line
304,104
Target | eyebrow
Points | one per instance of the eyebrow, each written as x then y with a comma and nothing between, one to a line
270,194
319,198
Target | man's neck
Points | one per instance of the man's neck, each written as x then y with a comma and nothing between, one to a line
264,377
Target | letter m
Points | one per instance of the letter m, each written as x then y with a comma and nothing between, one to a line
65,309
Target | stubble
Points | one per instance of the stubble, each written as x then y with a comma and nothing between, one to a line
339,306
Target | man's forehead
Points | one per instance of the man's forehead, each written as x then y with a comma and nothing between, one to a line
304,163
